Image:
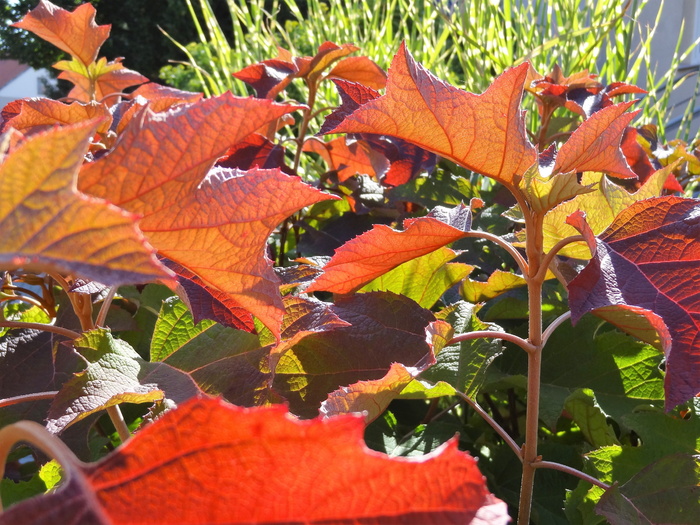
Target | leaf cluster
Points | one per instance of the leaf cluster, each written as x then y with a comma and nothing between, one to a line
176,279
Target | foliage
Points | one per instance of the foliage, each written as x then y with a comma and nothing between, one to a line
140,297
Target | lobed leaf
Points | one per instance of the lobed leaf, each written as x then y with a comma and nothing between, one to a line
212,463
454,124
215,224
38,114
73,32
380,250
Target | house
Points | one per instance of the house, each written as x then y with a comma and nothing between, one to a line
19,81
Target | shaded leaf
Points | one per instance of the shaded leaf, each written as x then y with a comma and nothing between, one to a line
73,32
584,410
666,491
268,78
49,226
214,224
373,397
463,365
257,151
258,451
454,124
114,374
384,329
648,258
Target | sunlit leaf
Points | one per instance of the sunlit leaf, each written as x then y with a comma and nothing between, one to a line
498,282
73,32
238,465
48,225
213,223
38,114
454,124
361,70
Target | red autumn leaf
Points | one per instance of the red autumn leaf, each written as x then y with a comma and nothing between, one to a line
381,249
452,123
580,92
311,68
48,225
648,259
595,145
73,32
361,70
110,79
352,95
640,163
268,78
184,453
37,114
216,225
257,151
152,91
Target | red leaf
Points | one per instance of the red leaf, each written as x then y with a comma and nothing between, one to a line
452,123
347,159
75,33
268,78
257,151
207,303
379,250
210,462
595,145
648,258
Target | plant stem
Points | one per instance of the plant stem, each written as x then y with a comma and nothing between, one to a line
554,325
70,334
574,472
115,414
106,303
555,249
535,256
512,250
38,396
490,334
498,428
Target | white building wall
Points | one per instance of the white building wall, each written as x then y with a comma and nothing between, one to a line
27,84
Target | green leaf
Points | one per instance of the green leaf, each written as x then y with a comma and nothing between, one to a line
587,414
423,279
114,374
544,193
463,365
174,328
665,491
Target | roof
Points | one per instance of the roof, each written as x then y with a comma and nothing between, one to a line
10,70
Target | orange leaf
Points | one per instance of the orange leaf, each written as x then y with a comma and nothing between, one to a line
595,145
73,32
361,70
36,114
214,225
211,462
347,159
48,225
452,123
379,250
